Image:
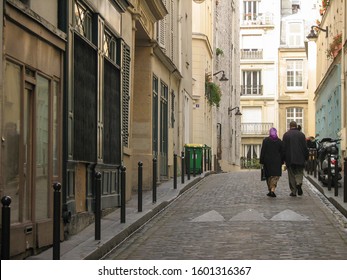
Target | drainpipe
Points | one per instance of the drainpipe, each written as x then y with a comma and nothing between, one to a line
343,83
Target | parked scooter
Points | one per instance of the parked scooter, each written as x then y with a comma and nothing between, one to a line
327,148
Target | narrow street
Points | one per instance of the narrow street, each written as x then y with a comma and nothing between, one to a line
229,216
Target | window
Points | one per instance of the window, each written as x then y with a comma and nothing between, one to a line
294,73
110,46
251,151
250,10
295,114
295,34
251,83
83,21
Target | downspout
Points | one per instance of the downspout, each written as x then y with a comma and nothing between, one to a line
63,23
343,83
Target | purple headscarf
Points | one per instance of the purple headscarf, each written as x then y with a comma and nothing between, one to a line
273,133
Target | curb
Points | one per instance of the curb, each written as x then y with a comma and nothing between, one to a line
105,248
331,199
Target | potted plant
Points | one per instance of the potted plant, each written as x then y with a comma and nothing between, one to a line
335,46
325,3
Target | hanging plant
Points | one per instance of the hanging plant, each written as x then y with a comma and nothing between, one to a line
219,52
213,93
335,46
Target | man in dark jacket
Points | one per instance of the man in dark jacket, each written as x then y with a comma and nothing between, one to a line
296,153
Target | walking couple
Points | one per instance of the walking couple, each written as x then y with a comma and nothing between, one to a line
292,150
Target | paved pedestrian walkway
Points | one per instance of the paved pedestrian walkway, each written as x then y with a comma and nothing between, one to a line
84,246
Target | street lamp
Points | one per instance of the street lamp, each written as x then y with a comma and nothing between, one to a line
313,35
223,78
238,113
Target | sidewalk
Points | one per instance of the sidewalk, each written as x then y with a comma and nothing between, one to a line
337,201
83,245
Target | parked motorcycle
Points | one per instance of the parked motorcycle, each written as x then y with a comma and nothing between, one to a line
328,148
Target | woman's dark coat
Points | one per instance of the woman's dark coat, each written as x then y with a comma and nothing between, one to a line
271,156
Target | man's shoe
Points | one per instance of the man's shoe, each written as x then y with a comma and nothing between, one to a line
292,194
299,189
269,194
272,194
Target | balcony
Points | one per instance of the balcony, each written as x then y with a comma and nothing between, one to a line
258,129
251,54
252,90
257,19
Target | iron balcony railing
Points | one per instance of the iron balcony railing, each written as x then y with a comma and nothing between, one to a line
252,90
251,54
257,19
255,128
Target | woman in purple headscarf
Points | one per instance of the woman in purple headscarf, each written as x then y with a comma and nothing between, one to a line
272,158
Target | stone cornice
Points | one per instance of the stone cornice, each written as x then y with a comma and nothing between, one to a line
157,8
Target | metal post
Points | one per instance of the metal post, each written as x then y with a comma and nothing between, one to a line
56,220
175,172
182,167
194,162
97,205
154,186
345,180
5,227
329,173
123,196
139,190
188,164
336,191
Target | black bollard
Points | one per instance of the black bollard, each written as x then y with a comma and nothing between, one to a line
97,205
329,172
139,186
182,167
56,220
123,196
345,180
5,227
336,173
175,172
154,186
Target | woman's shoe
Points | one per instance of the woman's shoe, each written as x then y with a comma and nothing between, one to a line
272,194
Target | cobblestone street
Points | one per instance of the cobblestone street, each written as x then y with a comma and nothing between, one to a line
229,216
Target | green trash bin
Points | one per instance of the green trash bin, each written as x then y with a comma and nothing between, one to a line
198,155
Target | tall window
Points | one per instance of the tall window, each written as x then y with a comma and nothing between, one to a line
294,73
295,34
295,114
251,151
251,83
250,10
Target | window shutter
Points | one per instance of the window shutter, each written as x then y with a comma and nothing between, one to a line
126,94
